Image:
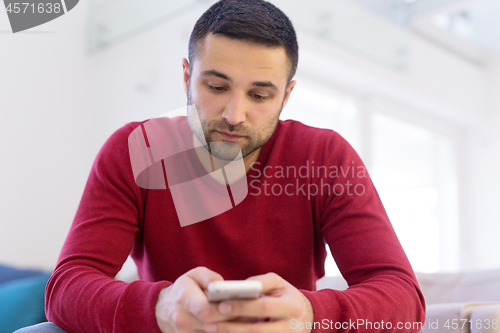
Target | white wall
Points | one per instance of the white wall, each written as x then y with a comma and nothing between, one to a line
481,165
58,104
47,138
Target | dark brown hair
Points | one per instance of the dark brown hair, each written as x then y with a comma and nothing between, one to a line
255,21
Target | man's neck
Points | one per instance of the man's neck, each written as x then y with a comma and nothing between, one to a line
211,162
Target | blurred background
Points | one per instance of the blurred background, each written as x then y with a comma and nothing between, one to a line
413,85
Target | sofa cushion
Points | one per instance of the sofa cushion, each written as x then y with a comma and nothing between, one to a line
8,273
22,302
332,282
486,319
483,286
450,317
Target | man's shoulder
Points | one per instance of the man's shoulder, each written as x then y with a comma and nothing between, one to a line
173,122
119,141
165,123
310,142
297,127
295,131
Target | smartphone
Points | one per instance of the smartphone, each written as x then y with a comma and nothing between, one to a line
233,289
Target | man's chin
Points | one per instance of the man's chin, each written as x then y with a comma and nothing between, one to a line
224,150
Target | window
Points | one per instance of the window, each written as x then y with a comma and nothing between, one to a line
319,106
413,172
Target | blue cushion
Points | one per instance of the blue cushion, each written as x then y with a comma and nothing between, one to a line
22,302
8,273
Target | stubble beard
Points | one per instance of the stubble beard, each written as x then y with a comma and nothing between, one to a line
225,150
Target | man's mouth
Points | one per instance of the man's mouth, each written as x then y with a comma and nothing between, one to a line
230,135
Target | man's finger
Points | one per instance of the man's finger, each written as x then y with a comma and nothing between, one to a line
195,298
185,320
270,282
203,276
272,307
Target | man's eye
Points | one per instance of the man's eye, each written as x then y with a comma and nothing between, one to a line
260,97
217,89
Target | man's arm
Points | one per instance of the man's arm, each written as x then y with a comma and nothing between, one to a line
367,251
82,295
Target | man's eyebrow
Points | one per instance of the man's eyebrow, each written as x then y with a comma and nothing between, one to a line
213,72
265,84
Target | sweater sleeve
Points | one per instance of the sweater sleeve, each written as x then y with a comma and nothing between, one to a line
383,294
82,295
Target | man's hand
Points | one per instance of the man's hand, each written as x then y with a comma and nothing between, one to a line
184,306
282,303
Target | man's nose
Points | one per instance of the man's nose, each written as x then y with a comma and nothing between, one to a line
235,111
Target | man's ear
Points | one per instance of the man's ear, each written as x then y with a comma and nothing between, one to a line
288,90
186,70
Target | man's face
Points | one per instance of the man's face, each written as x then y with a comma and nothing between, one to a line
239,90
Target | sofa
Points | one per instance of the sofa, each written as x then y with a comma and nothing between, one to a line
21,297
456,302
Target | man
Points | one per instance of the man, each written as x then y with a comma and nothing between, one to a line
306,186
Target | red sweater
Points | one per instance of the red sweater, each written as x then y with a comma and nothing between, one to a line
267,232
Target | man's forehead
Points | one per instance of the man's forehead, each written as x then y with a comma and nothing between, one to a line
230,55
